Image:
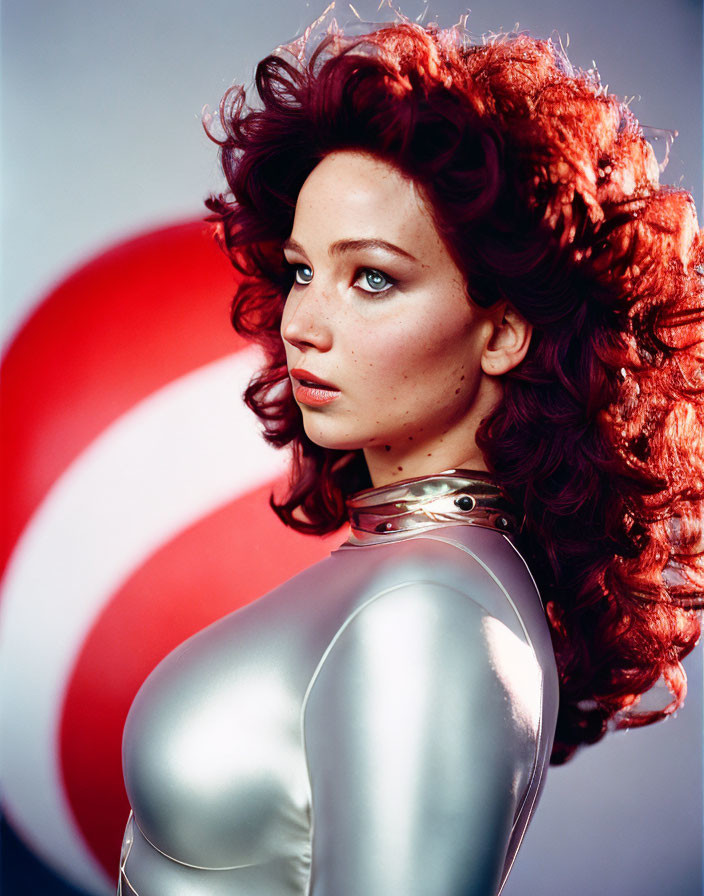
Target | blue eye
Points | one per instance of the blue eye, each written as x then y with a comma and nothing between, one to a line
299,269
378,281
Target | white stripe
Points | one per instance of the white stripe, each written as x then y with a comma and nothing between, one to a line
180,453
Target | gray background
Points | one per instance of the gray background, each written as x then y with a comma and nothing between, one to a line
101,139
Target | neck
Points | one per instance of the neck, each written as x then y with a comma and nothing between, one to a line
389,467
393,463
456,448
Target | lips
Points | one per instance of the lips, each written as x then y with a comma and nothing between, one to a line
311,390
309,379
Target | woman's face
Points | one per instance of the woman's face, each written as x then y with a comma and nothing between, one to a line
378,311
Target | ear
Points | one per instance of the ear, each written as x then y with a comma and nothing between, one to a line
508,342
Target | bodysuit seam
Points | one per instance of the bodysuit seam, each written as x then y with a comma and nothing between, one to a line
123,873
188,864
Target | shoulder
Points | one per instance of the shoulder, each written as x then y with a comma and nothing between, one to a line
422,674
432,646
479,563
428,615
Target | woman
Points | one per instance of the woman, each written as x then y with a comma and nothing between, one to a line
482,319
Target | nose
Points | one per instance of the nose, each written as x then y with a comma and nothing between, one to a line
304,323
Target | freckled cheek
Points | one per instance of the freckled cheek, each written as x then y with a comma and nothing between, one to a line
391,362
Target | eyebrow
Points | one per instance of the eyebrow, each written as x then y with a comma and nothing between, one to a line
341,246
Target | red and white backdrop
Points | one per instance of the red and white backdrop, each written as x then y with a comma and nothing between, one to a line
136,487
135,483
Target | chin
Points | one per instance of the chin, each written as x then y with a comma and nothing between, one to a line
335,444
326,437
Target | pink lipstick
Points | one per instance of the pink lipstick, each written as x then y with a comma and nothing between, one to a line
311,390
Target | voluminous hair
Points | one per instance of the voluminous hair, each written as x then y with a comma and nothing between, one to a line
547,195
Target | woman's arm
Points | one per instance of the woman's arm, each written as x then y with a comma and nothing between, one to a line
420,728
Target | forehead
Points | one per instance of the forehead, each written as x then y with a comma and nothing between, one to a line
356,163
363,195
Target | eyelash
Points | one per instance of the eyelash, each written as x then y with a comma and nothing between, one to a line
294,267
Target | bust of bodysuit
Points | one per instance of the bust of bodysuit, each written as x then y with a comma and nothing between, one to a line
378,725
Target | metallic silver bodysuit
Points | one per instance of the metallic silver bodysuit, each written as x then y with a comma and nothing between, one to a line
379,725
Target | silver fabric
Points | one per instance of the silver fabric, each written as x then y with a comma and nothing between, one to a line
379,725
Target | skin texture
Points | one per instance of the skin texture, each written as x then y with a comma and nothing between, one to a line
416,363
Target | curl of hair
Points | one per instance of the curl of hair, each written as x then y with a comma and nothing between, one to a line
547,196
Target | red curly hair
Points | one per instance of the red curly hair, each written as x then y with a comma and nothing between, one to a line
546,193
